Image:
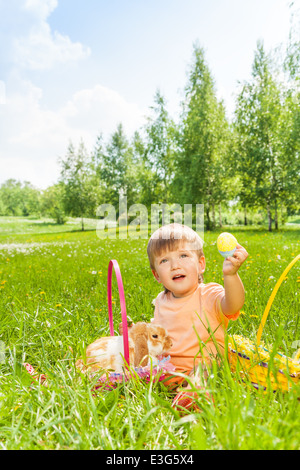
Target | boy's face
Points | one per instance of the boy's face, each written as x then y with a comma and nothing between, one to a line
179,270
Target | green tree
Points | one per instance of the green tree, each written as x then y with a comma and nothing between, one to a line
19,198
145,179
52,203
222,176
96,179
11,196
161,146
78,197
204,137
292,52
258,122
2,206
31,199
290,129
116,168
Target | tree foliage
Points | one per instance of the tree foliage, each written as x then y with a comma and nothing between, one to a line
200,165
78,199
252,162
264,126
17,198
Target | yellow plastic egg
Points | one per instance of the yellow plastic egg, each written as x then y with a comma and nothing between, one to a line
226,244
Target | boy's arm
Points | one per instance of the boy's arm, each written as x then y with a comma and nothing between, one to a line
234,297
234,289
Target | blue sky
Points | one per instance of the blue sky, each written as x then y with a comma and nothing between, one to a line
71,69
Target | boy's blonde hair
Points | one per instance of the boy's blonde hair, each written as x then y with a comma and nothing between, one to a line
169,238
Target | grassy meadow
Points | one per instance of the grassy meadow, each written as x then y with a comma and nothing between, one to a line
53,296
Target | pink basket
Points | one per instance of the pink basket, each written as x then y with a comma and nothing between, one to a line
110,381
114,264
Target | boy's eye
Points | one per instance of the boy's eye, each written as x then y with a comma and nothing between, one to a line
163,261
184,255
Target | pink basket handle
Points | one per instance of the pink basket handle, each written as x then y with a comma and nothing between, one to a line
114,264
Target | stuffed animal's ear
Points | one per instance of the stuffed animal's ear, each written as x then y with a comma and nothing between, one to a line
140,351
129,326
139,335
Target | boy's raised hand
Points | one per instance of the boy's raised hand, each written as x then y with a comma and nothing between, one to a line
232,264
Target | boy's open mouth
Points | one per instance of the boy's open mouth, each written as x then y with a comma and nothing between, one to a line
177,277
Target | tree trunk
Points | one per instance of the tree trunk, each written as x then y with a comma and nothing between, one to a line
245,216
220,216
82,224
207,224
269,218
213,216
276,216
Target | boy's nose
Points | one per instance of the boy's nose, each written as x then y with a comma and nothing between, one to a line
175,264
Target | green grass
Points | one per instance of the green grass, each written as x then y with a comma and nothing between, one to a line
53,296
16,227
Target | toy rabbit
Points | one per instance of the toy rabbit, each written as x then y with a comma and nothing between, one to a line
145,340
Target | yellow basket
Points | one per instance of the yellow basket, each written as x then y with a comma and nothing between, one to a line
259,365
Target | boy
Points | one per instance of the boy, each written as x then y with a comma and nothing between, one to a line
195,314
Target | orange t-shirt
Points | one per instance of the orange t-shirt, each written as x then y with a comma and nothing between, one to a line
192,322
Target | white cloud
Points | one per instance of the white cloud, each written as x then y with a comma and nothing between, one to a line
41,8
43,49
39,48
101,108
32,137
2,92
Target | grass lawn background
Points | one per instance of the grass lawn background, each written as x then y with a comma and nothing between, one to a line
53,296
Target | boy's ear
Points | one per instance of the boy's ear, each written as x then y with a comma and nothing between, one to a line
202,264
155,275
